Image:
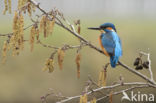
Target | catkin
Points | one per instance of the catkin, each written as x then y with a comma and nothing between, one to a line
42,23
21,32
15,21
46,25
32,37
83,98
102,78
29,9
14,37
61,54
4,51
33,8
77,60
6,7
49,65
17,39
37,34
9,3
33,32
51,25
79,29
21,3
12,44
111,97
26,5
93,101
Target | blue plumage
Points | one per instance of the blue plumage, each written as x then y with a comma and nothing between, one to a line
112,43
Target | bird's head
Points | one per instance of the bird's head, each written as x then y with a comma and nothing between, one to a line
105,27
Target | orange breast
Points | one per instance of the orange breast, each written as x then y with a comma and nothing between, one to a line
103,49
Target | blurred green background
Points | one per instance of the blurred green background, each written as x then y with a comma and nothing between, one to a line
22,78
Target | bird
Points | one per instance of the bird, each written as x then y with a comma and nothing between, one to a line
110,42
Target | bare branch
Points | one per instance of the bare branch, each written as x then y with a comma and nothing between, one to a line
137,73
132,84
44,45
149,60
65,47
6,34
9,34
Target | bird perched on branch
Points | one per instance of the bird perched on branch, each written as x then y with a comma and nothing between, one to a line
110,42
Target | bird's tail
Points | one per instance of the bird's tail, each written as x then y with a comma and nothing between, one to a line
114,61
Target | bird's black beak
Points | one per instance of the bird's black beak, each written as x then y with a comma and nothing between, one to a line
94,28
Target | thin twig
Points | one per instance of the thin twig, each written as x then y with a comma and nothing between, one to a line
93,81
5,34
65,47
49,46
149,60
10,34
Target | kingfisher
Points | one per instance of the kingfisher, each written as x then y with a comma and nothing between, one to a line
110,42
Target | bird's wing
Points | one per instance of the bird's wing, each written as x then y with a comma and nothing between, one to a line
108,43
120,44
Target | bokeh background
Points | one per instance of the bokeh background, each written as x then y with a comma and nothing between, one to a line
22,78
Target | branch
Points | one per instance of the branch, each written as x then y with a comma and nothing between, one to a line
10,34
149,60
5,34
137,73
73,31
100,51
65,47
133,86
